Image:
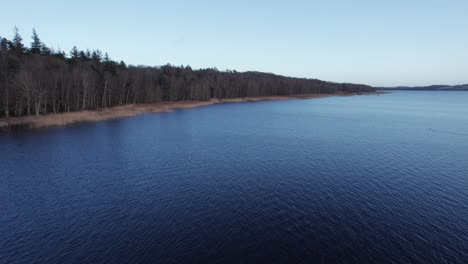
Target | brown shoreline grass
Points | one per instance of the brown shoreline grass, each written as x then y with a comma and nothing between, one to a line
61,119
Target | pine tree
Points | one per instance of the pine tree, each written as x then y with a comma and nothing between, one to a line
17,43
88,54
106,58
36,45
96,56
3,44
122,64
74,53
46,50
109,65
83,56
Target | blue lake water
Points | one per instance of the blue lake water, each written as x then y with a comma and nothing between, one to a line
351,179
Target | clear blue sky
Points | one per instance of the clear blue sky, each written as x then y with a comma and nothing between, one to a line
377,42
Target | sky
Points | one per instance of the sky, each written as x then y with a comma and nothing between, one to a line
376,42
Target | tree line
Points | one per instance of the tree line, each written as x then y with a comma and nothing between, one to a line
38,80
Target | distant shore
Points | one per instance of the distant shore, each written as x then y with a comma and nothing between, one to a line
62,119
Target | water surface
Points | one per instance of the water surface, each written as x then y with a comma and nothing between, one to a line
357,179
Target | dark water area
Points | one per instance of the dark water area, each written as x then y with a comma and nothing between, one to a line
345,179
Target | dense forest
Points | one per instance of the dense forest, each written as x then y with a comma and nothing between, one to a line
38,80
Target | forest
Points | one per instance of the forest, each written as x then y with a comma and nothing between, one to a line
38,80
460,87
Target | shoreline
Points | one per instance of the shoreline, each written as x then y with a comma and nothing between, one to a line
67,118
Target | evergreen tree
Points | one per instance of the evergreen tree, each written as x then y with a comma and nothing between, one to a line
83,56
74,53
88,54
45,50
3,44
58,53
109,65
96,56
122,64
36,45
17,43
107,58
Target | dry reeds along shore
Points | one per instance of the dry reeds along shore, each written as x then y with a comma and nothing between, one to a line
62,119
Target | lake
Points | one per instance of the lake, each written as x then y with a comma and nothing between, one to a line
373,178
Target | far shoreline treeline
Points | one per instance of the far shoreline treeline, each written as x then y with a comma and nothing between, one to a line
460,87
40,80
